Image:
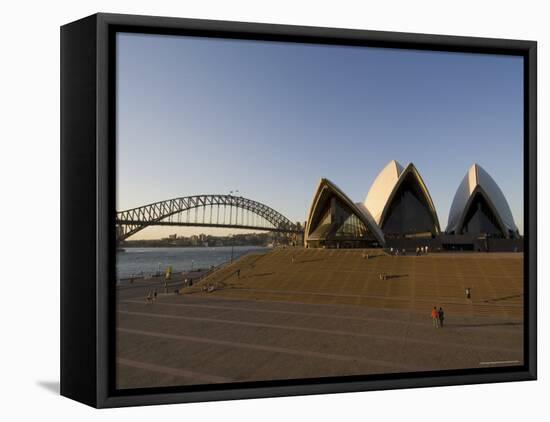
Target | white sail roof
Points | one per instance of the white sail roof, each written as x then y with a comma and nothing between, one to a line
381,189
386,184
477,177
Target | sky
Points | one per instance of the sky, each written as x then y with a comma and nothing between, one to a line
203,115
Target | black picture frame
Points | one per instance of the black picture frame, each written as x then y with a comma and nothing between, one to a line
88,207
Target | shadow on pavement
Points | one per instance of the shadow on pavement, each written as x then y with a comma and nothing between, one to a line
494,324
51,386
504,298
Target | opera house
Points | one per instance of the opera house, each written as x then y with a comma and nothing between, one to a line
399,212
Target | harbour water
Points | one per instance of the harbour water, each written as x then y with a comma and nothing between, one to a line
137,262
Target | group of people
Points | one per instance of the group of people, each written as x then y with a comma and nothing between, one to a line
438,316
151,296
397,252
422,250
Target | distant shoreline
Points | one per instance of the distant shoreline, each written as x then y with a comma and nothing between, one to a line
189,246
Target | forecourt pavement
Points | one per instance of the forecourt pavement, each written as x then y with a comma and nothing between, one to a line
265,323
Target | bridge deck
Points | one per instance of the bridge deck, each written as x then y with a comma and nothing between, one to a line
204,211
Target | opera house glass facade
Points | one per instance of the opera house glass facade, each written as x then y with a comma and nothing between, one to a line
336,222
409,212
398,206
480,218
479,206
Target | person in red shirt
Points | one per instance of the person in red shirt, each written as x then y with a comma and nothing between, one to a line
435,317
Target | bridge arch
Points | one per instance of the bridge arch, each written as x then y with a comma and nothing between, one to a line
161,213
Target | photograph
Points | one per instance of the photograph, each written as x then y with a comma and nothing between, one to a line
299,210
276,211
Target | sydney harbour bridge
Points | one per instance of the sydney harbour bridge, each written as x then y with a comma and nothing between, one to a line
227,211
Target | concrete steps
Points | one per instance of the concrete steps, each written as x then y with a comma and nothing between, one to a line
346,277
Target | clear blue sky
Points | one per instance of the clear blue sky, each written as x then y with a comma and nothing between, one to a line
198,115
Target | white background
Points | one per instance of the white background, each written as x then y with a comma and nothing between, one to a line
29,167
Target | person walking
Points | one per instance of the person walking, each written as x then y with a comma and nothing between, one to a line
435,317
441,316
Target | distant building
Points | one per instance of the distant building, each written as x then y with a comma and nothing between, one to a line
194,240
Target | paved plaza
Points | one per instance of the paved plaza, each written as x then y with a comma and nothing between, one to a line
268,318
